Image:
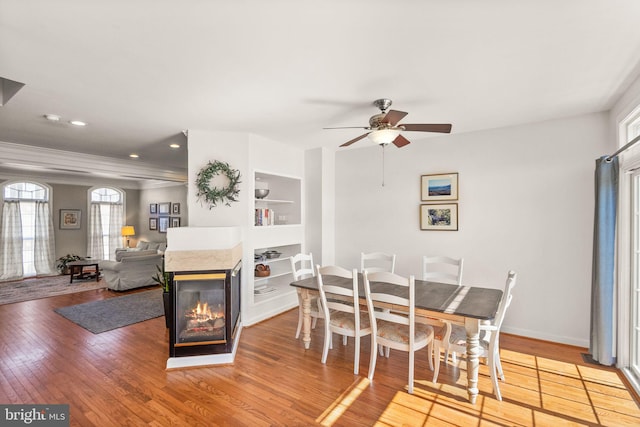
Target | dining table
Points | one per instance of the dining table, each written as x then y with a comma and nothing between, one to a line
464,305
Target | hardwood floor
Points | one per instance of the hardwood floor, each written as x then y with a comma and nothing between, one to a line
118,378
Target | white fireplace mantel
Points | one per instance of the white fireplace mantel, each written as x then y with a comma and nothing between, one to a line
203,248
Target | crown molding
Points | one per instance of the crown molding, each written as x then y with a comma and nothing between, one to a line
47,161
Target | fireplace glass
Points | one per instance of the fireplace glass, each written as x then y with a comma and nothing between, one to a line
200,310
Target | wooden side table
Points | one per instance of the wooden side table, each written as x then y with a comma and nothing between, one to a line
76,270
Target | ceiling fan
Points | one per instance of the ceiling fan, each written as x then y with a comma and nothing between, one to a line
384,127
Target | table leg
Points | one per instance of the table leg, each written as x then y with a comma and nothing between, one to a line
472,327
306,316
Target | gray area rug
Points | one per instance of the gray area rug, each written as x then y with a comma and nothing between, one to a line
44,287
112,313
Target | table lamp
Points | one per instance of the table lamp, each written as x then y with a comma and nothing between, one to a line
127,231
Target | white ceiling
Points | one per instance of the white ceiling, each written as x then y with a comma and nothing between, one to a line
140,72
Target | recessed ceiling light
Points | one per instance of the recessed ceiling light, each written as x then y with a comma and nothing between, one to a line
174,145
52,117
77,123
133,155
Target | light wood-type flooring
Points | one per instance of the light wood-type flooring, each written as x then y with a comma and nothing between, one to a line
118,378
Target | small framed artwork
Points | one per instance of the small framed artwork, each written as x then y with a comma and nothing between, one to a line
70,219
439,187
439,217
153,223
175,208
164,208
153,208
175,221
163,224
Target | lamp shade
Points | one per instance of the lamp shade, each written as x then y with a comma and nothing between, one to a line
128,230
383,136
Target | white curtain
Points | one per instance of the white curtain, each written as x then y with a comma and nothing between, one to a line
115,229
44,243
11,241
96,246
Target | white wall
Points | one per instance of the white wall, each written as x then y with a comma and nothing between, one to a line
230,147
525,203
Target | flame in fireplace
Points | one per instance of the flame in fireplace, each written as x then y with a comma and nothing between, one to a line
202,313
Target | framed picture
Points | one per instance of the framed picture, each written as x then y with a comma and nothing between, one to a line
439,187
153,208
163,224
175,221
175,208
153,223
70,219
439,217
164,208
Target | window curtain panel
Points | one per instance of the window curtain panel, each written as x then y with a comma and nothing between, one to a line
96,246
44,242
115,229
11,242
603,324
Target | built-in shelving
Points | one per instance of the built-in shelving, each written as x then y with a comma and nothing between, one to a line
268,296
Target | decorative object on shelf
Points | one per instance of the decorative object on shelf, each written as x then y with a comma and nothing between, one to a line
163,224
61,263
212,196
271,254
127,231
175,208
439,187
175,221
70,219
439,217
261,193
153,208
262,270
164,208
153,223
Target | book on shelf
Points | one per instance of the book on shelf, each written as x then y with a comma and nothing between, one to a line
264,216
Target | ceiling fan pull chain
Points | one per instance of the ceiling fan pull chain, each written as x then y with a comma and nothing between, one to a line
382,145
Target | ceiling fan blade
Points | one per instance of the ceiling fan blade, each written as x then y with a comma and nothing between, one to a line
393,117
442,128
400,141
354,140
349,127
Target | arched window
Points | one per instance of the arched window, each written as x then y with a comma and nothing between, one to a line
106,215
26,238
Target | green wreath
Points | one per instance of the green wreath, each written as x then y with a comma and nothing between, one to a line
214,195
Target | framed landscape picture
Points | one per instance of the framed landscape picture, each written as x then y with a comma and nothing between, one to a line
70,219
439,217
439,187
153,223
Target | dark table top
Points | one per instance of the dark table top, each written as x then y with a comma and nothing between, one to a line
466,301
83,262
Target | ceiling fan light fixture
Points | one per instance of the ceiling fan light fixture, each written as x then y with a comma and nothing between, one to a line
383,136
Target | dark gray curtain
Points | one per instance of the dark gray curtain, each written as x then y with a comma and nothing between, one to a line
603,323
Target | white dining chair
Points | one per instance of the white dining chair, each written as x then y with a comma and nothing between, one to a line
442,269
341,309
392,329
377,261
302,267
489,338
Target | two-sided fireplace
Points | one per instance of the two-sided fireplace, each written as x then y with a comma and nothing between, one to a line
206,312
204,265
